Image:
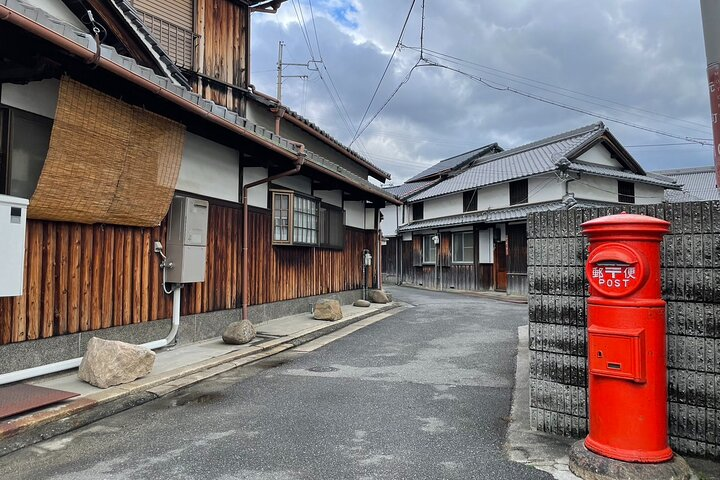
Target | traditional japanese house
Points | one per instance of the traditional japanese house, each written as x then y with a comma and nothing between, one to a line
468,231
100,130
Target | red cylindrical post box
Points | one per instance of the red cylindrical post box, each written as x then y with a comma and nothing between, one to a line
626,339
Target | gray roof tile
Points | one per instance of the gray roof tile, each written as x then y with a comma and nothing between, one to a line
698,183
455,162
407,189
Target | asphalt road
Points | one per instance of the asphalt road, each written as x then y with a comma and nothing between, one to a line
424,394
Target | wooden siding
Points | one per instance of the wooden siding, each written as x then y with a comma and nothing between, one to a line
517,260
222,26
89,277
178,12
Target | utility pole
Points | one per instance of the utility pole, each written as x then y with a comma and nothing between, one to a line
281,44
711,30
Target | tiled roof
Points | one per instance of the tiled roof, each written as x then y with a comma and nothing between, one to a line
455,162
406,189
506,214
698,184
533,159
485,216
225,115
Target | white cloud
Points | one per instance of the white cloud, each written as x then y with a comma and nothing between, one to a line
640,53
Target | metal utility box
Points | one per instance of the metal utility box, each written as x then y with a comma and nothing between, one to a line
13,213
187,240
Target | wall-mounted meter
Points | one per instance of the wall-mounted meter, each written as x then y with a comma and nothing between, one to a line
367,258
12,245
187,240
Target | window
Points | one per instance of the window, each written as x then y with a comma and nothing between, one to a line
418,211
519,192
295,218
470,201
305,220
429,251
626,192
24,143
462,247
331,226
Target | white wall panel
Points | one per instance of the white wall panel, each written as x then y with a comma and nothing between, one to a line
257,196
39,98
355,214
209,168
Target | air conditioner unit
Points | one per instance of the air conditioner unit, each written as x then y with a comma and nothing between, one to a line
13,213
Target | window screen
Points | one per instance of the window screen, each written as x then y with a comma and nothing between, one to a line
305,220
429,249
281,217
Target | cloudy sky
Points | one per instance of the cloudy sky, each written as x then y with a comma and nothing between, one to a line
625,62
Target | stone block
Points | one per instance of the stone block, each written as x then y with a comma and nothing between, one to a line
378,296
327,309
238,333
107,362
361,303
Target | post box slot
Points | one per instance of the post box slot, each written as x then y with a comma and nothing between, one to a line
617,353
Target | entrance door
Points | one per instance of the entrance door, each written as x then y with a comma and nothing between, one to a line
500,266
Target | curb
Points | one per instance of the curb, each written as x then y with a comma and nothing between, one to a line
46,424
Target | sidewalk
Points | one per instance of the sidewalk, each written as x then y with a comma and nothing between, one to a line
547,452
175,368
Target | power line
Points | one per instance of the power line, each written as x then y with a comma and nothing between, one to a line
485,67
506,88
382,77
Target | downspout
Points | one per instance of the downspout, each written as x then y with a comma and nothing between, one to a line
299,161
33,372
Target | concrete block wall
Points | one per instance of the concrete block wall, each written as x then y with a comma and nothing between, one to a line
558,340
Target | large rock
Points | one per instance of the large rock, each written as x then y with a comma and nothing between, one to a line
108,362
327,310
238,333
378,296
361,303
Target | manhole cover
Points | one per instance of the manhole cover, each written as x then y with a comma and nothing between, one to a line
322,369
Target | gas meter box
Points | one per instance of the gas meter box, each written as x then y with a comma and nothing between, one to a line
13,213
187,240
627,373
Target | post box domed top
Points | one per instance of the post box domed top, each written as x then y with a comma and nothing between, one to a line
626,224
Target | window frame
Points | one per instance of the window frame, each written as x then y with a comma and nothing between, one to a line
282,193
418,206
624,197
471,245
514,198
295,222
331,208
292,221
429,240
470,205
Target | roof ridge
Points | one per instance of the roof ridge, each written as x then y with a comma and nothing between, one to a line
548,140
680,171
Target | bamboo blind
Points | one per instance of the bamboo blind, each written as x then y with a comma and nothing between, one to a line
108,162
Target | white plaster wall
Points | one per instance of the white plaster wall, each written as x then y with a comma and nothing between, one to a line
257,196
600,155
496,196
369,219
36,97
209,169
57,9
389,222
444,206
485,246
295,182
543,188
593,187
355,214
333,197
648,194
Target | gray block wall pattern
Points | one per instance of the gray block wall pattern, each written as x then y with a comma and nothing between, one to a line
558,290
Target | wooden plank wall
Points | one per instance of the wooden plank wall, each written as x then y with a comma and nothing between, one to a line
222,51
88,277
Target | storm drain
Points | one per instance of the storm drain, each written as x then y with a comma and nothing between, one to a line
322,369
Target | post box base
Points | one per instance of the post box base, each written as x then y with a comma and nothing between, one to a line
591,466
634,456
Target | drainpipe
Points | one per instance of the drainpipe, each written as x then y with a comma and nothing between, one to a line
33,372
245,277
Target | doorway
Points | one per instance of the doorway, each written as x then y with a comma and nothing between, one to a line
500,266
